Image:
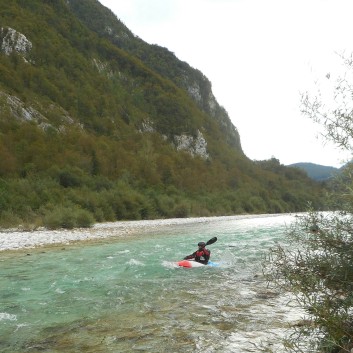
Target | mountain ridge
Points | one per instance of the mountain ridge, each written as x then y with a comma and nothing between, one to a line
193,81
317,171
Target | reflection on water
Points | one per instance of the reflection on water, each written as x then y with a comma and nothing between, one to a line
127,295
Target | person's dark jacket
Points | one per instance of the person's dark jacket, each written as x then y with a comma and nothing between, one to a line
201,255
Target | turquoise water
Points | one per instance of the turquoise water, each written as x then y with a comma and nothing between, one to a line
126,294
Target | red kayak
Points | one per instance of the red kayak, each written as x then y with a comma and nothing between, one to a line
192,263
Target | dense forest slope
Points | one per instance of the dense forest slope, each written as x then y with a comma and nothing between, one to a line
97,125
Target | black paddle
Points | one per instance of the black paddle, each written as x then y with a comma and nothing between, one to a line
211,241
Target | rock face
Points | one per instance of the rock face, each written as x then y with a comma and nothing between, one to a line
20,111
196,146
11,41
200,91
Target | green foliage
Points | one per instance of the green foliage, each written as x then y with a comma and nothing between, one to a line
68,217
317,265
137,178
181,210
315,261
70,177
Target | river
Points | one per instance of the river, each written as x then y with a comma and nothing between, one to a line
125,293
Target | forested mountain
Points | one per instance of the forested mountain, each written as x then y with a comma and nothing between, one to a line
97,125
316,171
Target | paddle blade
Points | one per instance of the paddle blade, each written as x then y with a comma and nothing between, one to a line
211,241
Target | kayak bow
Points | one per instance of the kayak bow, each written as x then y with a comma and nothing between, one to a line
192,263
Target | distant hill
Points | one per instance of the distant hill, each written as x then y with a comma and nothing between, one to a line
316,171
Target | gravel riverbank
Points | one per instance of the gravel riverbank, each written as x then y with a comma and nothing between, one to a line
16,239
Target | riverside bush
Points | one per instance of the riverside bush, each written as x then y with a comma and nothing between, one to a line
84,219
315,260
68,218
181,210
38,198
9,219
317,266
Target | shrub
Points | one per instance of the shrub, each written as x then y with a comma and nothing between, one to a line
84,219
8,219
68,217
181,210
70,177
317,265
165,205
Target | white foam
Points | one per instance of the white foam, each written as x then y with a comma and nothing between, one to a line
169,264
135,262
8,317
20,326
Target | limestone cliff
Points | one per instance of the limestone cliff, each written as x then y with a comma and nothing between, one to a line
13,41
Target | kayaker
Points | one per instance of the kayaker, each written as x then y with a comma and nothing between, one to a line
201,255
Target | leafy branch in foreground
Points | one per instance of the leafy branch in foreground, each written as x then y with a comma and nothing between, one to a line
317,266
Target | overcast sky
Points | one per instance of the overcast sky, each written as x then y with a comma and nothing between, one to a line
259,56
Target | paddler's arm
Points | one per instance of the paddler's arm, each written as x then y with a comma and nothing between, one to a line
192,256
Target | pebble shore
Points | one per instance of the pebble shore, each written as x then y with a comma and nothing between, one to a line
16,239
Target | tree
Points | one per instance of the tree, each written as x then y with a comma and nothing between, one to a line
317,265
